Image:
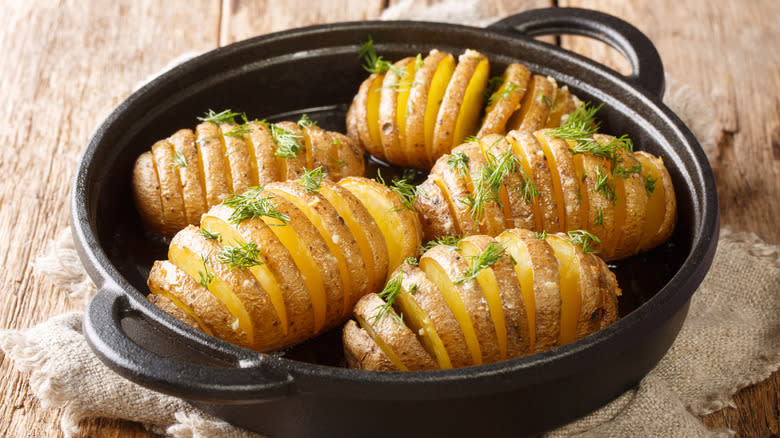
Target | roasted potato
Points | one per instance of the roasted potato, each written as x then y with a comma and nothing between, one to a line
414,111
480,300
550,181
272,267
182,176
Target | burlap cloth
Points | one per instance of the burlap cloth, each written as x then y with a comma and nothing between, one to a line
730,339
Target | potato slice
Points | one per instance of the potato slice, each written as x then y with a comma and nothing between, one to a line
439,86
146,192
609,302
562,104
445,267
237,156
530,190
600,186
348,160
537,163
661,204
517,199
565,181
571,296
174,216
505,100
169,280
631,207
262,148
396,340
341,244
449,113
278,275
364,112
364,229
392,85
293,167
176,309
214,171
183,142
535,106
237,288
493,218
591,312
414,134
362,352
454,185
473,101
400,227
537,271
434,210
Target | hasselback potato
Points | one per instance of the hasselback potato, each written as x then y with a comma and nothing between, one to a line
272,267
481,299
553,180
184,175
413,111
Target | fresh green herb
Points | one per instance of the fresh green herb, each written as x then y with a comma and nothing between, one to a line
514,262
486,259
408,193
599,217
584,240
371,62
460,162
526,188
338,163
287,142
544,100
251,205
622,172
210,235
451,242
413,288
493,85
389,294
581,124
238,131
418,62
240,256
178,159
502,94
649,185
205,276
412,261
487,186
335,142
541,236
604,186
471,139
311,180
226,116
203,140
305,122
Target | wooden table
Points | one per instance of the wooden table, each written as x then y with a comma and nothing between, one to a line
67,64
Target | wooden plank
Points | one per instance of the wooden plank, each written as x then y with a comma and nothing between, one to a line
728,53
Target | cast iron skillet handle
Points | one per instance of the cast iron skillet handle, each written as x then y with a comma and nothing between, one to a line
648,70
102,328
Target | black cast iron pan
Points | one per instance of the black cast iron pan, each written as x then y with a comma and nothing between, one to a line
315,70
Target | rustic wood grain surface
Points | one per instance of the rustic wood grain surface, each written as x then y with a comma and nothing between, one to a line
67,64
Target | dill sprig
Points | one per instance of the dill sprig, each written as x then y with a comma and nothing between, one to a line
604,186
407,191
251,205
451,242
493,84
238,131
411,261
487,186
540,236
584,240
599,217
460,162
502,94
486,259
205,277
210,235
546,101
338,164
622,172
418,62
311,180
240,256
178,159
219,118
389,294
306,122
649,185
526,188
287,142
372,63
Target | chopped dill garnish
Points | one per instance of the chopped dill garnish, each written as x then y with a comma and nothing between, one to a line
226,116
210,235
411,261
599,217
451,242
311,180
460,162
604,186
306,122
526,188
240,256
178,159
622,172
251,205
418,62
487,185
471,139
486,259
389,294
205,277
408,192
238,131
373,63
502,94
546,101
541,236
287,142
335,142
493,85
584,240
338,163
649,185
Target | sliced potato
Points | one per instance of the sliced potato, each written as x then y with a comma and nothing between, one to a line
535,106
519,202
176,310
565,181
439,85
631,208
414,146
434,210
183,142
538,165
505,100
473,101
292,167
365,113
591,311
600,185
146,193
362,352
571,295
238,158
396,79
492,220
174,216
262,147
454,185
214,171
662,203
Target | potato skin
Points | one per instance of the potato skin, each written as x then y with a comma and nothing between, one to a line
362,352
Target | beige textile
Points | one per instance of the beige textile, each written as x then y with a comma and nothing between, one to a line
730,339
